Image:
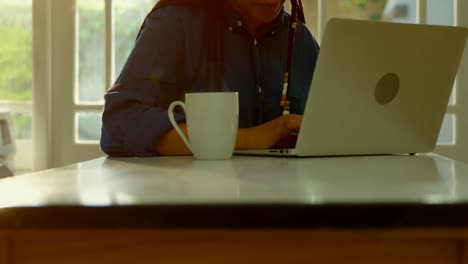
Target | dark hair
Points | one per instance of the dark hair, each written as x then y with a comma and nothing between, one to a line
212,46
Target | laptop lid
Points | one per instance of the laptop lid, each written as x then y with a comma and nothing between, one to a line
380,88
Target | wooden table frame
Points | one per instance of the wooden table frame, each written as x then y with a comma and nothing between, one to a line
431,246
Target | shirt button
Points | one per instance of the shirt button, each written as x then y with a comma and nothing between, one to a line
230,28
255,42
239,23
259,89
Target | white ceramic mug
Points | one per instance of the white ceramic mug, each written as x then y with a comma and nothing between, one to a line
212,121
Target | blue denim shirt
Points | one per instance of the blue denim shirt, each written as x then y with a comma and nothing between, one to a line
135,116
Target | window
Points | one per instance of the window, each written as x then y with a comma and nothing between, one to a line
16,73
91,29
101,59
443,13
85,45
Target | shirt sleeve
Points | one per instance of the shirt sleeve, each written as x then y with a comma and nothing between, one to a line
135,114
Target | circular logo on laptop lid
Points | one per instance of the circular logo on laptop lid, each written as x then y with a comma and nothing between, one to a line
387,88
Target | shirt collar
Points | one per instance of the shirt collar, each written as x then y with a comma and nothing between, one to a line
234,22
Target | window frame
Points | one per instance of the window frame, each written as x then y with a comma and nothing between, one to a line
24,147
55,67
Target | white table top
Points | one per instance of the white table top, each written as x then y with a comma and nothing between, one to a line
373,191
183,180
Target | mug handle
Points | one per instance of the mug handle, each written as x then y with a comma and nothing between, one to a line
174,123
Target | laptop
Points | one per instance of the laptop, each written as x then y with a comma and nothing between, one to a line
378,88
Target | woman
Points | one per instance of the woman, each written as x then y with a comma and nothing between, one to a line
248,46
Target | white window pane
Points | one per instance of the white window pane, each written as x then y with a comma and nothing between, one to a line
92,41
22,125
16,50
447,132
128,17
440,12
88,127
16,68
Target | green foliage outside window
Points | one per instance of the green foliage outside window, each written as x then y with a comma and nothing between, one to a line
128,19
16,45
16,60
22,125
15,52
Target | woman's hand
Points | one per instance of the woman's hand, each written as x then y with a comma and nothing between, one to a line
260,137
266,135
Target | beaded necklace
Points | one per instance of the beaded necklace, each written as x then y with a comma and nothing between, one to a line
297,13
